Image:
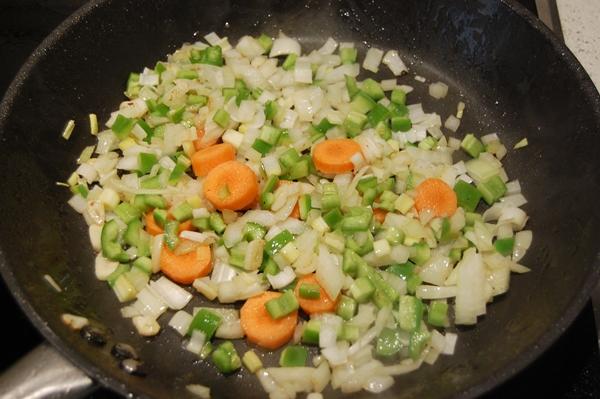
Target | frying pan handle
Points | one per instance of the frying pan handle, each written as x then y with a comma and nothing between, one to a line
43,374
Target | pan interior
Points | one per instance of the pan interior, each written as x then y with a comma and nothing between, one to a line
513,79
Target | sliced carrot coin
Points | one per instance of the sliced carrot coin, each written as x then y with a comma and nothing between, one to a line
323,304
335,156
187,267
263,330
437,196
151,226
205,160
231,185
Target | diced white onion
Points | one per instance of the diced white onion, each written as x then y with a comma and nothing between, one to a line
149,304
470,299
438,90
282,279
201,391
88,172
73,321
523,241
212,38
394,62
157,245
180,322
336,354
78,203
329,272
95,232
196,342
373,59
206,287
249,47
104,267
174,296
329,47
452,123
303,72
284,45
202,238
146,326
388,84
450,345
433,292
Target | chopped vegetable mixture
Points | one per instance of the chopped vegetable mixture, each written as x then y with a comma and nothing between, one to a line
331,210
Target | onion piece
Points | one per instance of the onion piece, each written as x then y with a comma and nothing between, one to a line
329,272
523,241
180,322
201,391
149,303
394,62
433,292
284,45
470,299
146,325
438,90
104,267
450,343
173,295
196,342
207,237
157,245
282,279
452,123
373,59
329,47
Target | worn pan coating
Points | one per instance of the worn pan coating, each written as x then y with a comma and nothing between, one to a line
514,76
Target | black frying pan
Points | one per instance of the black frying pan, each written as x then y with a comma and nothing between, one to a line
514,76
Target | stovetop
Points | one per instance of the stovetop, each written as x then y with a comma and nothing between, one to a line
569,369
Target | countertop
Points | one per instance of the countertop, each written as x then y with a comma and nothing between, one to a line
569,369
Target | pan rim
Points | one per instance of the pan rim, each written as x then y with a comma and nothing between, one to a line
519,363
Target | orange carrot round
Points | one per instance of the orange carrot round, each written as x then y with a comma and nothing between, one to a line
198,144
263,330
154,229
187,267
379,214
231,185
205,160
323,304
151,226
334,156
436,196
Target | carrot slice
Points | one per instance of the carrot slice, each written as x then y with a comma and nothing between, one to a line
198,144
205,160
334,156
379,214
323,304
151,226
296,211
436,196
187,267
231,185
154,229
263,330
